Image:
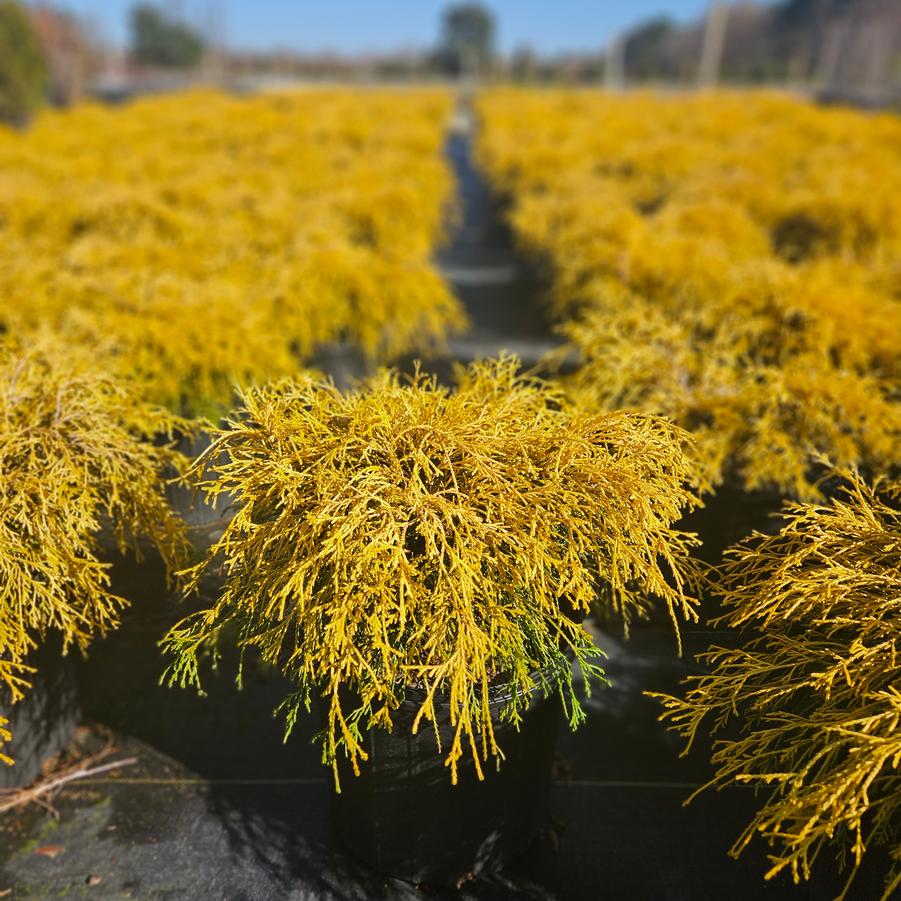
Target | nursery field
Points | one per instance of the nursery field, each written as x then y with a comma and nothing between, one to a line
471,592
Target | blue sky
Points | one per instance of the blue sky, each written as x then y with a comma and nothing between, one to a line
359,25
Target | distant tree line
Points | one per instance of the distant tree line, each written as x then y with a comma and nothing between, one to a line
159,40
828,42
854,41
49,55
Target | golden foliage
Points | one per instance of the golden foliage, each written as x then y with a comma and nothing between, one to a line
727,260
816,690
760,400
5,736
202,240
79,453
405,535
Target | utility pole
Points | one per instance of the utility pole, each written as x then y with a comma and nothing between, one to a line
214,34
830,55
712,48
615,64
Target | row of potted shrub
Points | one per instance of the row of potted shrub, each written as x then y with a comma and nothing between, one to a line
231,238
421,559
729,261
402,552
658,220
418,562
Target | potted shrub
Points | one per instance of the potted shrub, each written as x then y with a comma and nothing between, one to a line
417,561
758,387
78,461
808,707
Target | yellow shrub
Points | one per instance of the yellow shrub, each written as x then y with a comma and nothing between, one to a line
759,403
80,453
814,689
203,239
404,535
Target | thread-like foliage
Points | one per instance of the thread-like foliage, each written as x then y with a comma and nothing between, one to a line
234,238
80,454
403,534
728,260
5,736
816,689
761,392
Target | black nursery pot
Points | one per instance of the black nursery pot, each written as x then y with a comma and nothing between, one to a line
44,721
404,817
190,505
730,515
345,363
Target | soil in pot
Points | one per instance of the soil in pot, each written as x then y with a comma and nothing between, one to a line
404,817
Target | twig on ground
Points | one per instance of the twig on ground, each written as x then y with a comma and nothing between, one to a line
25,795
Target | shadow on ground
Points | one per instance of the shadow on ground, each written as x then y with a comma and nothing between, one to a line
219,808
